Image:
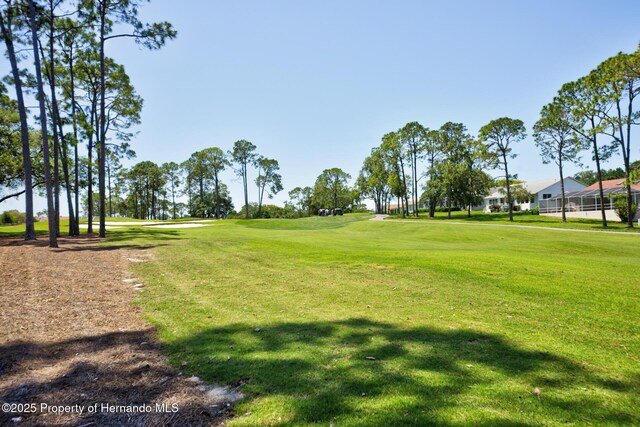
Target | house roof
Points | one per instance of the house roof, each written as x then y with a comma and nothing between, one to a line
395,205
611,184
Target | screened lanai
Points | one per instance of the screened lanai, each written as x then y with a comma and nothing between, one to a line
586,200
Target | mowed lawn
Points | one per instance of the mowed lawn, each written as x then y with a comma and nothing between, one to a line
526,219
349,322
464,322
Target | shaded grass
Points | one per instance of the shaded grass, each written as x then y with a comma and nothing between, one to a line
463,322
526,218
41,228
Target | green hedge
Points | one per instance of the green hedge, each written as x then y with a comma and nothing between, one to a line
13,217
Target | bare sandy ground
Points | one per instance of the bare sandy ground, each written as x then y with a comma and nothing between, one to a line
176,225
95,226
69,335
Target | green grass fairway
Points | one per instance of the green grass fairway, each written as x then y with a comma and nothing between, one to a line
463,322
527,219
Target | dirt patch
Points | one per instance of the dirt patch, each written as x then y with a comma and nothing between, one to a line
69,336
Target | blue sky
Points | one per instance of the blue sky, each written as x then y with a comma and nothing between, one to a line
315,84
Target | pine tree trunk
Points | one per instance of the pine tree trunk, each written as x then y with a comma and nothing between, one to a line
506,174
53,238
59,142
246,191
217,184
103,131
596,157
7,35
564,214
90,182
75,145
627,161
173,198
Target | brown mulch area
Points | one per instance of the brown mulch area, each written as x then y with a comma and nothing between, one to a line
69,335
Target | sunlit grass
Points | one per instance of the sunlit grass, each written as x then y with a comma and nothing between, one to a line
463,322
526,218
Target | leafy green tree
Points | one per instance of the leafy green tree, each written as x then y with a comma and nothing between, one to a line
146,184
618,79
243,155
397,181
557,141
301,198
108,15
412,137
475,183
373,180
518,191
589,177
499,135
12,171
432,147
332,189
454,164
203,179
581,98
216,161
73,36
268,180
172,173
123,107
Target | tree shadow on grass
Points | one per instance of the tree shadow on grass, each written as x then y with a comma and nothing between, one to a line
126,239
361,372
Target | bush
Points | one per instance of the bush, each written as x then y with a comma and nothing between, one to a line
13,217
446,209
361,208
495,208
620,207
517,208
535,211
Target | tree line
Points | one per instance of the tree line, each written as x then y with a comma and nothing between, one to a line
150,191
595,113
57,52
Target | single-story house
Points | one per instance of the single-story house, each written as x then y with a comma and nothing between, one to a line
394,208
586,203
539,190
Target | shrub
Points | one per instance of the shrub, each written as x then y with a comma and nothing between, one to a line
359,208
620,207
13,217
517,208
495,208
535,211
446,209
